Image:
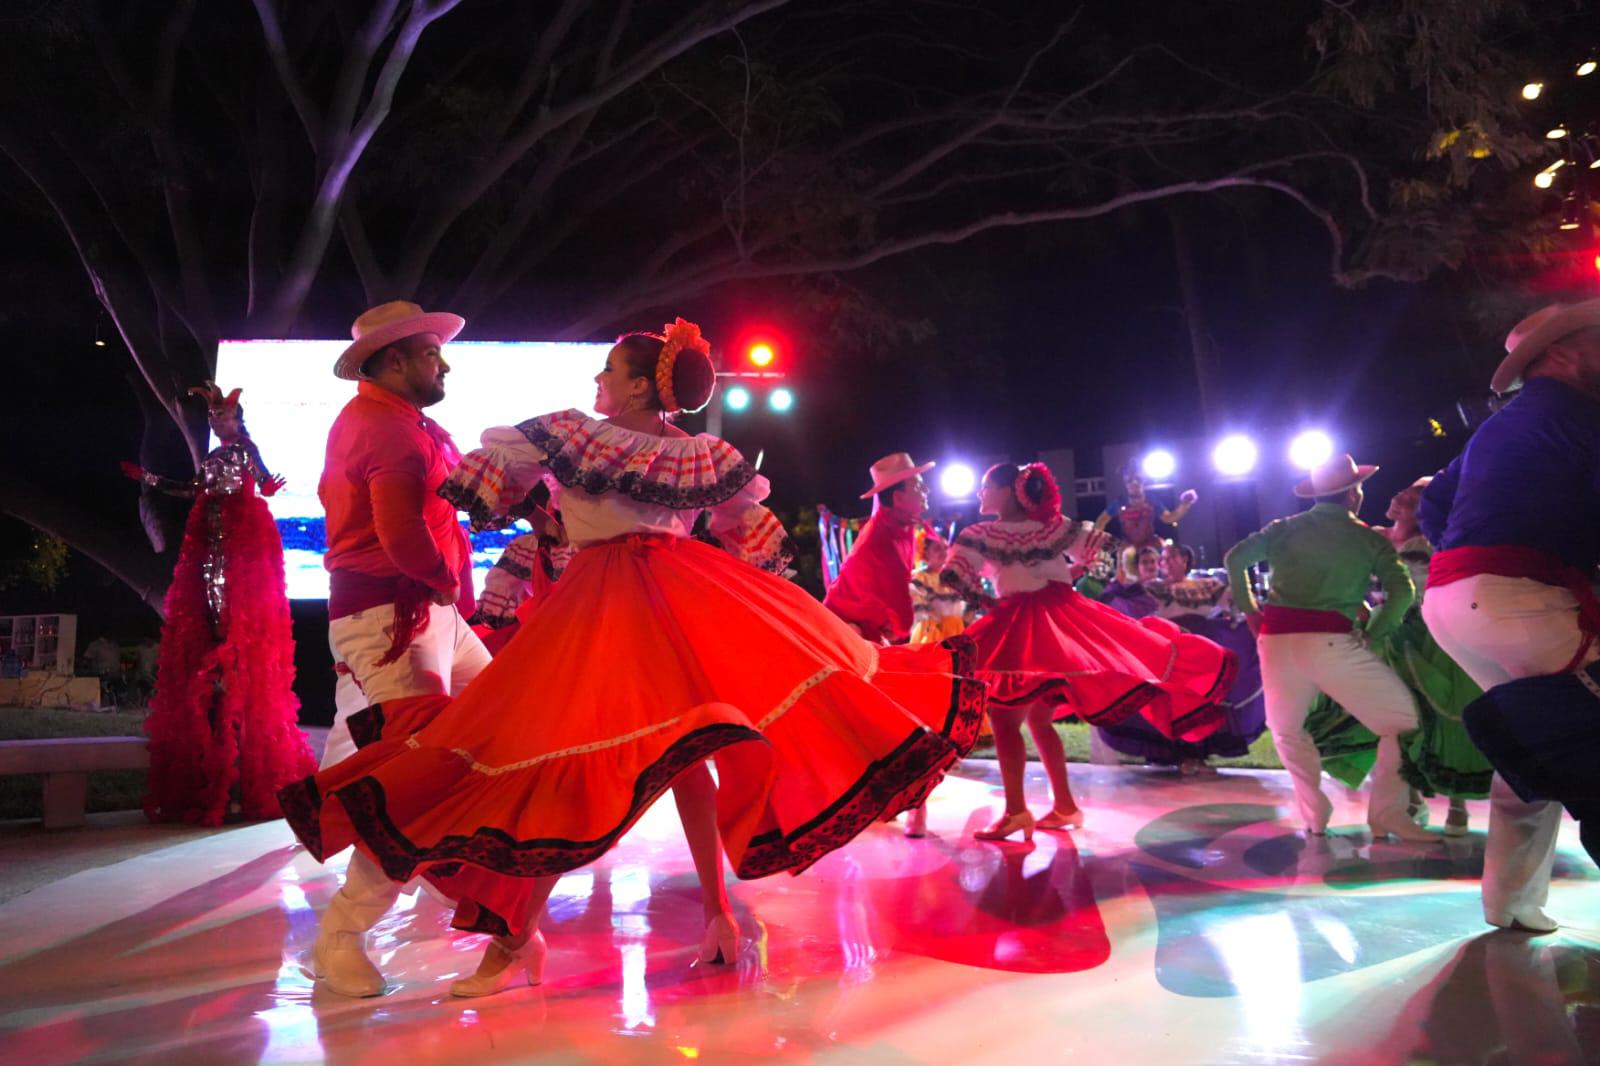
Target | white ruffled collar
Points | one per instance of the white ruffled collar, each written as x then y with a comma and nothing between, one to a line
680,472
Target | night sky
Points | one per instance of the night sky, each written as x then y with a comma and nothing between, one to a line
1067,335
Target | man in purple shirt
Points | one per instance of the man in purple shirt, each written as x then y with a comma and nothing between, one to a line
1516,521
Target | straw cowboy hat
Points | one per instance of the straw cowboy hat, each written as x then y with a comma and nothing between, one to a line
1333,477
380,327
1529,338
891,470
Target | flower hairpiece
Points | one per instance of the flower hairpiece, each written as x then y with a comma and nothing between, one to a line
1049,501
676,337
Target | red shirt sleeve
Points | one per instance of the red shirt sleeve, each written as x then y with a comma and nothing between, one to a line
398,486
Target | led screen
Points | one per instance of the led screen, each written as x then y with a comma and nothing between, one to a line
291,399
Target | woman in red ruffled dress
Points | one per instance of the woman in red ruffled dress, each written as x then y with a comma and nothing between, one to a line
223,725
653,653
1047,652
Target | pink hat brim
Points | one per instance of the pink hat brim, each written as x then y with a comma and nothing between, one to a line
446,325
895,479
1508,375
1307,491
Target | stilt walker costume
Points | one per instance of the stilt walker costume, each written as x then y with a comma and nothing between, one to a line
1516,519
1322,562
223,731
654,652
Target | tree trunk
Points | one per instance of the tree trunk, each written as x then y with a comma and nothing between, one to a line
116,549
1207,361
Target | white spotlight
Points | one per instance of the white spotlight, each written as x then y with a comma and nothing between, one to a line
957,479
1310,449
1234,455
1158,465
1532,90
737,398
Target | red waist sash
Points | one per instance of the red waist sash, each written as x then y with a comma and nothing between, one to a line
1510,560
1278,620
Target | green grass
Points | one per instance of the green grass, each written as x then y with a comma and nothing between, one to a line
1075,738
109,790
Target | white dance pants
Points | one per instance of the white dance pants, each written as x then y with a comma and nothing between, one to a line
443,658
1294,668
1500,629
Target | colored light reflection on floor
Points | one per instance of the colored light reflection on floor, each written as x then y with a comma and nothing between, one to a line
1185,923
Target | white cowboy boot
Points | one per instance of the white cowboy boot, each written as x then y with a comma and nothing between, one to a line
339,957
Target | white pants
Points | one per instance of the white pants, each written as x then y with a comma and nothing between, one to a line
443,658
1294,668
1500,629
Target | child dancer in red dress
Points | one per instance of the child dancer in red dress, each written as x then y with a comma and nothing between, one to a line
1047,652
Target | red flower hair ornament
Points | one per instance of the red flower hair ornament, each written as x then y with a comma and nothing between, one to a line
681,335
1037,492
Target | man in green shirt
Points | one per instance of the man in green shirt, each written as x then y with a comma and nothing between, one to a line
1321,564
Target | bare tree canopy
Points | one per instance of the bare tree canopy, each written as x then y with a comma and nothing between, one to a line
267,168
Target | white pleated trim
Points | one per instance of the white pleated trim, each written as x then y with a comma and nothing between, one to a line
794,696
581,749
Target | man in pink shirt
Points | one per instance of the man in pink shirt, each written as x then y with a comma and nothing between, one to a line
399,586
400,575
873,591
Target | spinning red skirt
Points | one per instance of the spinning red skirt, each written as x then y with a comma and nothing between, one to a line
651,654
1056,646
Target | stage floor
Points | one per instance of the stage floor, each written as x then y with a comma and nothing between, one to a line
1184,924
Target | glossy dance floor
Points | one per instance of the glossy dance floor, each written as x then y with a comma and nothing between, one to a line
1184,924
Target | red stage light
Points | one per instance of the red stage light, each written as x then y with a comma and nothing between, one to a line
761,355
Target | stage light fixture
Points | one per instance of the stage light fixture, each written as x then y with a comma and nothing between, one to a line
736,398
1158,464
780,400
1532,90
1310,449
1544,179
762,355
1234,456
1571,212
1586,68
957,480
1556,133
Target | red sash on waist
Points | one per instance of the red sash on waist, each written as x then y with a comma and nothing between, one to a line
1510,560
351,591
1277,620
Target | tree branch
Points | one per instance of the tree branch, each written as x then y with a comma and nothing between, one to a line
344,153
688,33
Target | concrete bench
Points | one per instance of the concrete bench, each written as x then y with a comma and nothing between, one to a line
67,763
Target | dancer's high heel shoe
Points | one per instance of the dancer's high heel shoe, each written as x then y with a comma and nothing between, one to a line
1007,825
508,965
720,945
917,822
1062,820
